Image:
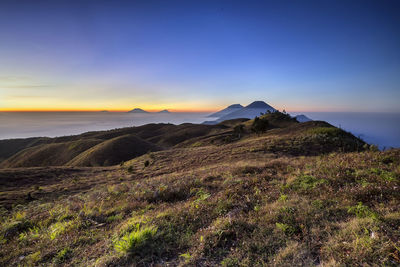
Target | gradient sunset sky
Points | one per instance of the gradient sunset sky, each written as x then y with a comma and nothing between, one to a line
199,55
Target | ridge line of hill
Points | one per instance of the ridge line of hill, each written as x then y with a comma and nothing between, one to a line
107,148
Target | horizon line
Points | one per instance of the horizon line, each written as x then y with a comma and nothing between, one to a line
102,110
170,110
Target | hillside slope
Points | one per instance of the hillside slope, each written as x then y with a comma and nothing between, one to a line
36,152
113,151
53,154
302,194
9,147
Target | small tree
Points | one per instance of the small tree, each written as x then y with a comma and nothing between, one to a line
259,125
238,130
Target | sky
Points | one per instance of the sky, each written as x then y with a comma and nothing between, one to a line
200,55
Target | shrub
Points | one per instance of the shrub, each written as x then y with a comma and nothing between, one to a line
130,169
362,211
278,116
201,196
13,228
305,183
259,125
33,258
286,228
385,175
133,241
33,234
286,221
186,257
20,215
283,197
63,255
238,130
59,228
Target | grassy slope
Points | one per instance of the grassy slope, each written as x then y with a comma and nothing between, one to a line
9,147
119,145
53,154
292,196
113,151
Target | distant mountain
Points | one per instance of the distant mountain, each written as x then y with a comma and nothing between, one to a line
260,105
164,111
226,111
138,110
249,112
302,118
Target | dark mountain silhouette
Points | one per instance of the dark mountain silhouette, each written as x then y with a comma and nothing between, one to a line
250,112
260,105
164,111
138,110
226,111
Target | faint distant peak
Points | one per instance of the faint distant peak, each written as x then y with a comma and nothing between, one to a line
235,106
164,111
226,111
138,110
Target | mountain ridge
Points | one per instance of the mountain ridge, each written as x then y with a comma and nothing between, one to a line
256,108
123,144
225,111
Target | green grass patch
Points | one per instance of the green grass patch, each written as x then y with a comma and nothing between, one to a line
63,255
362,211
133,241
305,183
59,228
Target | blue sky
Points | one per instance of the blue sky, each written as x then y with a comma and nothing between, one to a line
200,55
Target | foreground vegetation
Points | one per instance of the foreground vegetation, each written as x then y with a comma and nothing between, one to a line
289,196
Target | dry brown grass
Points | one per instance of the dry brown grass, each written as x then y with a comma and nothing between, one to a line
239,203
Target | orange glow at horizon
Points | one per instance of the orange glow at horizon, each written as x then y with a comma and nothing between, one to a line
100,110
294,109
